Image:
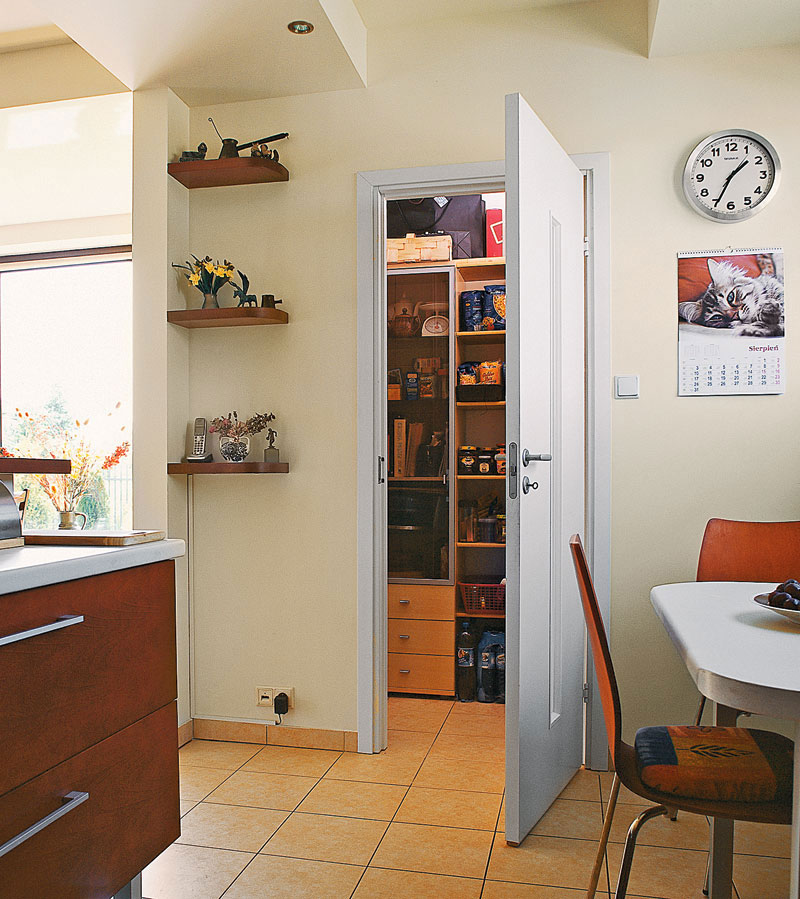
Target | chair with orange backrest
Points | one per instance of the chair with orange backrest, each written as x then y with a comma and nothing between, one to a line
748,551
722,772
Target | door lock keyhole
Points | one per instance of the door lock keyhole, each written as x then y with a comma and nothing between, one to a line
528,484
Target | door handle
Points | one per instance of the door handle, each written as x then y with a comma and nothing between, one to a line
404,636
381,478
70,801
63,621
404,602
535,457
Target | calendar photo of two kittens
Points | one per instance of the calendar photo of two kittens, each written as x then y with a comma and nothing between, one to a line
741,294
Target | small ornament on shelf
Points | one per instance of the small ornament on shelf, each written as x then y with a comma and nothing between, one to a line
271,452
208,277
234,433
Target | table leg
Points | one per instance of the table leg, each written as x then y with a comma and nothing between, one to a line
720,884
794,888
132,890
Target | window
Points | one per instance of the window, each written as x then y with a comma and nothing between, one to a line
66,375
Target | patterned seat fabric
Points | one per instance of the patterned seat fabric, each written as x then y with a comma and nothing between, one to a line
733,764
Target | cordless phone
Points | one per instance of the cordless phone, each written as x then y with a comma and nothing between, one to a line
199,440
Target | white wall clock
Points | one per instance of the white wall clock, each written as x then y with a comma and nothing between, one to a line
731,175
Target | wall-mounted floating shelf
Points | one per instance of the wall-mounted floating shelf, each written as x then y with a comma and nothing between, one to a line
227,172
35,466
233,317
227,468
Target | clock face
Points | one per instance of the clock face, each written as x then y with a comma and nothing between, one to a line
730,175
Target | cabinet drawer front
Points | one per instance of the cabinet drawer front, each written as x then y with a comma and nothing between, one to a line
71,687
409,672
435,638
421,601
131,815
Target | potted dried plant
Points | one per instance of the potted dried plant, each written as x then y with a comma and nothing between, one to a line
234,433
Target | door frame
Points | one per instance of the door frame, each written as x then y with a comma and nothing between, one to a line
373,188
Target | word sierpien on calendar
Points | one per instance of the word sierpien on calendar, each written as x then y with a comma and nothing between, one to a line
731,330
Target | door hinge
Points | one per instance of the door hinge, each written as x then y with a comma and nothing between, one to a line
586,692
586,246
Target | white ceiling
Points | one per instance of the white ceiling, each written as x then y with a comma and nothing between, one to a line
23,26
387,13
678,27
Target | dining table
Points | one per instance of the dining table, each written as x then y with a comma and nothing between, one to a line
744,658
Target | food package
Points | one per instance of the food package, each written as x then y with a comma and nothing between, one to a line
471,309
468,373
494,307
490,373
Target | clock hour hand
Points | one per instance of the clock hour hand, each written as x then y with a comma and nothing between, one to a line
729,179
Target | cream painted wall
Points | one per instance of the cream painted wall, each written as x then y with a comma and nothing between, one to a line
275,557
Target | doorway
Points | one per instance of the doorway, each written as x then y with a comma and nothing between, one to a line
374,191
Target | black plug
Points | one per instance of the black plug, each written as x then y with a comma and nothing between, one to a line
281,704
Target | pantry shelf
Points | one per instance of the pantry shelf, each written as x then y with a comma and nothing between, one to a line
481,261
481,336
483,545
479,405
227,468
481,477
426,480
460,613
231,317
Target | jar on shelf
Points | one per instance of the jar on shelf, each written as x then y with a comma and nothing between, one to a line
468,460
487,530
501,528
485,462
500,460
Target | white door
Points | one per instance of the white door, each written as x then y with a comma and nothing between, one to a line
545,409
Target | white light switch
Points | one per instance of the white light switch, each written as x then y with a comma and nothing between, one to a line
626,387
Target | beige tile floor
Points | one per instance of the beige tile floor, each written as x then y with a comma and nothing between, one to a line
422,819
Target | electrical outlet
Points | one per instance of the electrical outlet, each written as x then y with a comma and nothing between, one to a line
264,696
289,691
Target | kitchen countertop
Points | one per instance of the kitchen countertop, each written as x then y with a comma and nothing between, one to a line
27,567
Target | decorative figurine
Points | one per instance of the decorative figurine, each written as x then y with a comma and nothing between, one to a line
231,146
271,452
240,293
192,155
268,301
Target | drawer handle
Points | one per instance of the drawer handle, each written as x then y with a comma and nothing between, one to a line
71,801
63,621
405,671
404,636
404,602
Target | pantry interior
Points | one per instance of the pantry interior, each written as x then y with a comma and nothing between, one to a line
445,355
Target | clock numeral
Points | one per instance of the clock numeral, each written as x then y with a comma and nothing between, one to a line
699,177
748,201
704,192
731,206
764,174
758,160
732,146
758,190
706,163
715,151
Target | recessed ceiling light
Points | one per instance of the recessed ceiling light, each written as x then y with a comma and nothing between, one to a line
300,27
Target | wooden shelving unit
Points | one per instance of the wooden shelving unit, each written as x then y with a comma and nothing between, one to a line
478,405
481,477
460,613
233,317
482,545
481,336
415,480
227,468
227,172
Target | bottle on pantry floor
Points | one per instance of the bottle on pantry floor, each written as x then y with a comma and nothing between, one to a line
492,644
466,669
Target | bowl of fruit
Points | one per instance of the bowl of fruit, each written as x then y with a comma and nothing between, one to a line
784,599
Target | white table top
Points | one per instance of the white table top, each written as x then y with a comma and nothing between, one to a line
27,567
738,654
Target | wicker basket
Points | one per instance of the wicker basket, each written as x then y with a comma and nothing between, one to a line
483,597
436,248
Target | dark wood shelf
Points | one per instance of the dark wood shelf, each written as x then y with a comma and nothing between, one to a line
233,317
227,172
227,468
35,466
460,613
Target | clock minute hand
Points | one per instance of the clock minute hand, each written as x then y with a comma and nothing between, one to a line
729,179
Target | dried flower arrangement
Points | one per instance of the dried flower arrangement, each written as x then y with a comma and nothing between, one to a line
234,427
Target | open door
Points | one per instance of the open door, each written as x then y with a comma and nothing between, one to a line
544,418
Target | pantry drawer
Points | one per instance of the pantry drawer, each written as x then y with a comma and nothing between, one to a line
70,687
421,601
416,673
130,816
427,637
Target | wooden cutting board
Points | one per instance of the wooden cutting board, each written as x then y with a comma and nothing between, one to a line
91,538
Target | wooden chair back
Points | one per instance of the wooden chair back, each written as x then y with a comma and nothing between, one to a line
607,681
749,551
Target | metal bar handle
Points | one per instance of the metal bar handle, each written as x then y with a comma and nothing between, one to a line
71,801
61,622
527,457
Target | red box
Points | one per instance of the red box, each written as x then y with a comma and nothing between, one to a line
494,232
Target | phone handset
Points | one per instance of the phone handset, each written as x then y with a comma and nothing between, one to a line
199,452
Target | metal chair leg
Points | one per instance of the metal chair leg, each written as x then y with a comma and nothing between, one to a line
630,844
601,850
699,716
708,874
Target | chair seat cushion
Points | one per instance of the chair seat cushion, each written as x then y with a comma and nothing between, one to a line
733,764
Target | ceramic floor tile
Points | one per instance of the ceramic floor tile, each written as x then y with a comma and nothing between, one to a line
230,826
761,878
354,800
422,715
762,839
478,710
214,754
326,838
666,873
572,818
288,760
187,805
547,861
276,791
625,795
497,890
584,785
434,850
294,878
474,726
491,750
409,742
687,832
381,883
450,808
197,783
444,774
396,765
190,872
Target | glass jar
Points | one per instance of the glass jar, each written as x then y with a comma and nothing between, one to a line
485,462
487,530
468,460
501,528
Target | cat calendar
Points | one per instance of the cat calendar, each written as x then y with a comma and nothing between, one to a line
731,329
